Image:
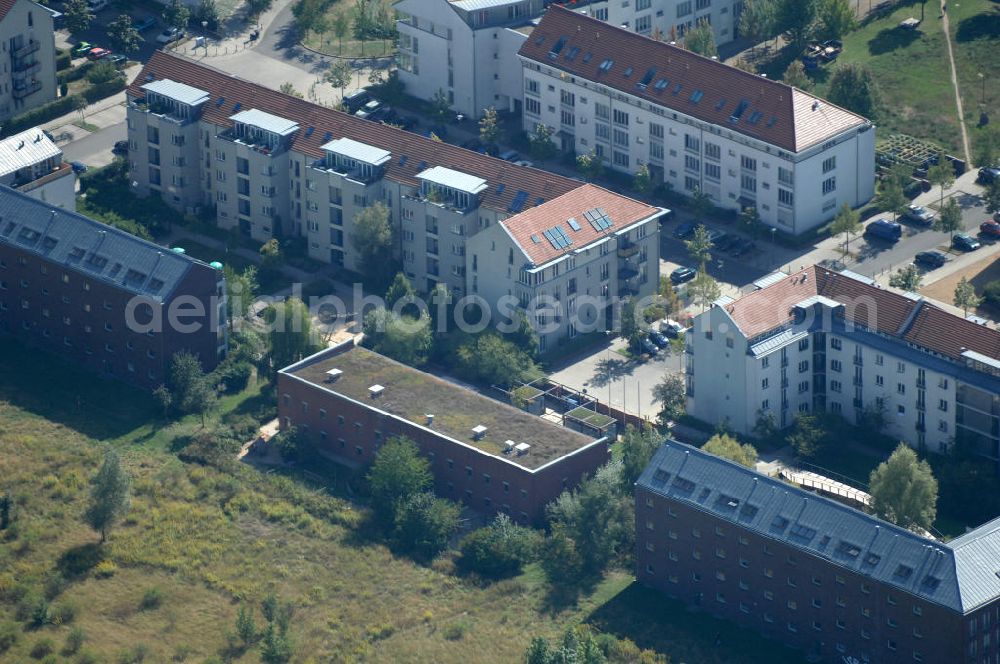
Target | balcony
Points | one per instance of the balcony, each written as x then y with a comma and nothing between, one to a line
263,147
25,90
627,274
25,69
921,384
626,290
162,111
858,362
27,49
628,250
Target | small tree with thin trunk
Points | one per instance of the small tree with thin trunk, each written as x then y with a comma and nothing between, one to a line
704,289
339,75
848,222
907,278
110,495
699,247
701,203
671,394
891,197
642,181
965,296
77,16
701,39
489,126
941,174
176,14
949,218
727,447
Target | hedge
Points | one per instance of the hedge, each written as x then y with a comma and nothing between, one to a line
74,74
61,106
64,61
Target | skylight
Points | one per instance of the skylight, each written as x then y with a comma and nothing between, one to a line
557,47
220,101
309,131
518,203
677,88
661,85
755,117
402,160
236,106
720,104
327,136
574,224
534,238
587,56
572,52
697,95
647,77
740,110
628,72
501,187
606,65
557,237
771,121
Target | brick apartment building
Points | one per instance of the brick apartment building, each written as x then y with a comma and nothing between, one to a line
68,285
839,584
491,456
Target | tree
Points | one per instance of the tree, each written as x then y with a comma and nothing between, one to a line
590,166
806,437
339,75
795,18
500,549
241,290
642,182
207,12
404,338
904,491
257,7
540,142
397,473
704,290
699,247
701,39
757,20
372,238
490,359
671,394
637,447
246,628
629,326
538,652
891,197
701,203
854,87
399,289
425,523
835,19
123,36
79,103
275,647
727,447
562,561
291,335
439,106
341,26
795,75
965,296
164,398
907,278
176,14
941,174
110,495
306,13
287,88
987,147
489,126
848,222
949,218
991,196
750,219
77,16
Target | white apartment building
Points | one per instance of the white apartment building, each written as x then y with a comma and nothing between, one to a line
27,48
466,49
837,342
568,262
695,123
668,20
31,163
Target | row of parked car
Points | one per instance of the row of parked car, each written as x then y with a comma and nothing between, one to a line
658,337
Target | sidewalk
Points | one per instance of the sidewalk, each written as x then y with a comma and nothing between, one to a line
102,114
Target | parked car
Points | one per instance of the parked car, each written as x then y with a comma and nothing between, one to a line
145,24
671,328
988,175
510,155
929,259
714,235
169,35
965,242
883,229
407,122
354,101
658,339
121,147
648,346
685,229
82,49
745,248
682,275
368,108
78,167
525,163
990,229
117,59
98,53
919,215
725,242
384,114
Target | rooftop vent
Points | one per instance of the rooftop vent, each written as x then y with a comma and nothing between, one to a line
508,446
376,391
522,448
333,374
430,419
478,432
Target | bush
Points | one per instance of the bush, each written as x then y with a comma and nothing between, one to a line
64,60
455,631
43,647
151,599
213,447
105,569
9,633
232,376
64,613
74,74
39,116
102,90
501,549
991,293
74,641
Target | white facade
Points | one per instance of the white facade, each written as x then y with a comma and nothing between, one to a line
669,20
28,77
826,160
31,163
820,362
466,49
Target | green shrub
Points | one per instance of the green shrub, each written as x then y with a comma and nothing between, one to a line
9,632
64,613
233,376
455,631
39,116
44,646
64,60
991,293
74,641
74,74
501,549
151,599
102,90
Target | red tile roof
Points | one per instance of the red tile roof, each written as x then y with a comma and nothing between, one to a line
773,112
918,322
6,6
505,180
622,211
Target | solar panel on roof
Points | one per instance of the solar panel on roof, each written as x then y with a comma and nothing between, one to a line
598,218
574,224
697,95
518,202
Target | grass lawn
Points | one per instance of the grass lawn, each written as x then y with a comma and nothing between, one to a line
349,47
975,30
209,539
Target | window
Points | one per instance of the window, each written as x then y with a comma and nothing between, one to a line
786,197
829,185
829,164
836,365
803,366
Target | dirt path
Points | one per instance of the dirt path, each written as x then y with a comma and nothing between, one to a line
954,82
979,273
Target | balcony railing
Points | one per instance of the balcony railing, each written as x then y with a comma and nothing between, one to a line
858,362
23,69
30,88
27,49
628,250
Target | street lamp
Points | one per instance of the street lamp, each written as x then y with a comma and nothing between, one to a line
774,248
204,29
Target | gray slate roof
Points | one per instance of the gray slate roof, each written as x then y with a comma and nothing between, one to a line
90,247
959,576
